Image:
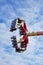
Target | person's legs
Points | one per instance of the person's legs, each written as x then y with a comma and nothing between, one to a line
14,41
18,49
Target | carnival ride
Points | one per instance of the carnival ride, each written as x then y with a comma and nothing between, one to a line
24,34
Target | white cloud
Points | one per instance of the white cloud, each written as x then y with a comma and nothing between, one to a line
7,12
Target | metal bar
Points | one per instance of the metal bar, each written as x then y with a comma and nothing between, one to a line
35,33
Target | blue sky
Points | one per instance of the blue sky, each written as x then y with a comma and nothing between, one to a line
32,12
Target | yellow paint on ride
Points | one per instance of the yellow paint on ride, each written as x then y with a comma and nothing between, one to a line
32,34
